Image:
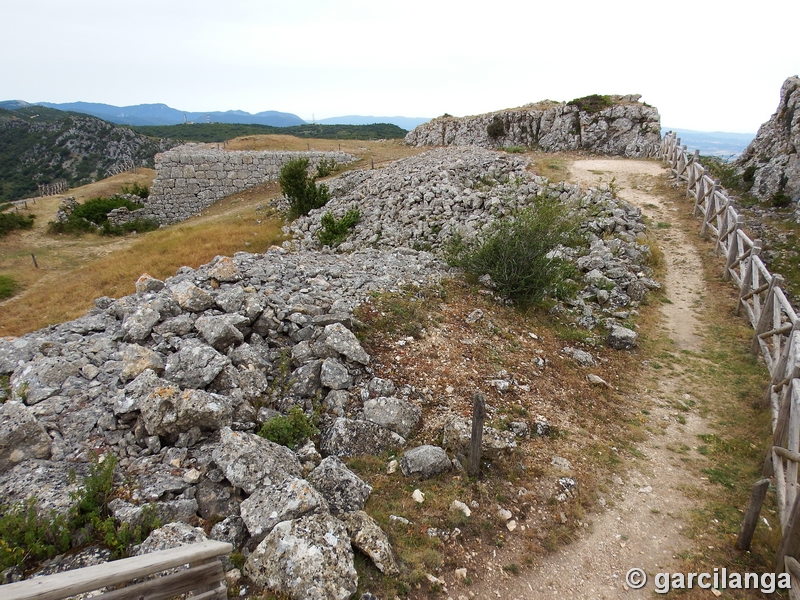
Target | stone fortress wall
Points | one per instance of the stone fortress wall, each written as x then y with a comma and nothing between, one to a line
192,177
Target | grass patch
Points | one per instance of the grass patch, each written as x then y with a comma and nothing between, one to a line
8,287
406,312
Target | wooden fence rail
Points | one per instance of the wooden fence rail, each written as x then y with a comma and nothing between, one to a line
204,577
776,338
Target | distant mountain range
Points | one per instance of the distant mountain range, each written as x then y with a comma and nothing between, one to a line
727,146
161,114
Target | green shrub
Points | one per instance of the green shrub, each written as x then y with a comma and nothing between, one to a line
515,149
514,251
136,189
11,221
290,430
96,210
326,166
496,128
780,200
335,231
592,104
92,217
300,189
28,535
8,287
137,225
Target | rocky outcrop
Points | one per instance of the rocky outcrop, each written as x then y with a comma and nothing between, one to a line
770,165
619,125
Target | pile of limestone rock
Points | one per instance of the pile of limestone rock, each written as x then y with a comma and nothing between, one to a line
176,379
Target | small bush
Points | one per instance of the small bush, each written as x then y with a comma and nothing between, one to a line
517,252
335,231
136,189
96,210
290,430
591,104
326,166
8,287
300,189
11,221
496,128
515,149
137,226
780,200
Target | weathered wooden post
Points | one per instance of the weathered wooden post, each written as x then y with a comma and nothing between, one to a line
478,418
790,544
765,318
733,247
747,278
35,264
757,496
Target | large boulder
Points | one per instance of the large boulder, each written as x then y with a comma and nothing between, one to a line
622,338
168,410
396,414
367,536
307,559
21,436
136,359
344,490
41,378
347,437
221,330
195,365
425,461
191,298
250,462
271,504
342,340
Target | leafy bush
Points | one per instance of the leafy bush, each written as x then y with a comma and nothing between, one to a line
136,189
92,216
335,231
11,221
290,430
8,287
300,189
517,252
326,166
27,536
137,225
592,104
96,210
496,128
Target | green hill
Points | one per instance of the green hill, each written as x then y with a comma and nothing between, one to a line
39,146
220,132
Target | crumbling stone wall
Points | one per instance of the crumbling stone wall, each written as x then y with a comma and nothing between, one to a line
192,177
618,125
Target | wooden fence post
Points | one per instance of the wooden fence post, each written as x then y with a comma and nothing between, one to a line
733,246
478,418
747,278
757,496
700,195
765,318
711,205
790,544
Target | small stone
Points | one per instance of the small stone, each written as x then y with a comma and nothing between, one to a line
192,476
391,467
474,316
418,496
561,463
460,506
461,574
511,525
596,380
646,490
504,514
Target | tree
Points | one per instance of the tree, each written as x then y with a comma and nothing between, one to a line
300,189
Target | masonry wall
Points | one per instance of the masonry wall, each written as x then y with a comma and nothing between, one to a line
192,177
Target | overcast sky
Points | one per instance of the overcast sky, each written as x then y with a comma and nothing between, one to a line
710,65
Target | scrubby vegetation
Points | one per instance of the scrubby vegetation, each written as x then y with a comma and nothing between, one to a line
92,217
8,287
28,535
496,128
300,189
136,189
11,221
290,430
592,104
335,231
221,132
519,253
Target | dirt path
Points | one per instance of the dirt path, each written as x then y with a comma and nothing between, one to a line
644,513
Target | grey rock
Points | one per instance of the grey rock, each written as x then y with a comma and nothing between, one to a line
271,504
14,351
346,437
168,410
396,414
622,338
343,489
220,331
21,436
231,530
138,325
191,298
336,402
246,355
367,536
147,284
334,375
307,559
249,461
136,359
169,511
344,341
215,500
171,535
307,379
426,461
41,378
378,387
224,269
195,365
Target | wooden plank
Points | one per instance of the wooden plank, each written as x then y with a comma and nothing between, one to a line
757,495
70,583
790,545
793,567
161,588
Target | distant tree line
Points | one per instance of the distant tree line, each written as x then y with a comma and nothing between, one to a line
221,132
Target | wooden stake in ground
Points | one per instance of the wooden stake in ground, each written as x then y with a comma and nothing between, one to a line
478,418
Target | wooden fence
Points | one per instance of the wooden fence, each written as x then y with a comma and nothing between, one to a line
204,577
776,338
